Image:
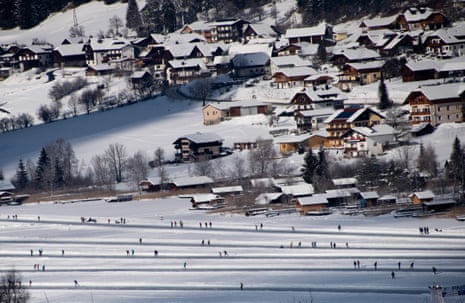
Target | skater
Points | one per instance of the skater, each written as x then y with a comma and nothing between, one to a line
140,241
132,251
185,265
62,252
225,253
355,264
398,265
208,242
30,283
127,252
76,284
242,286
210,223
203,242
155,252
376,265
393,275
358,264
434,270
339,227
412,265
32,252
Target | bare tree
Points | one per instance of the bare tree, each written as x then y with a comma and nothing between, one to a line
137,168
427,160
115,24
200,89
262,158
12,290
239,168
73,102
116,156
101,171
163,175
203,168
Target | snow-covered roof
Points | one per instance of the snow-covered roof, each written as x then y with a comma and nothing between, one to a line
70,50
439,92
205,198
337,193
262,29
250,59
353,117
325,111
292,138
190,181
376,130
227,189
299,71
199,26
360,53
262,182
101,67
6,185
369,195
267,198
243,103
183,63
318,30
315,199
298,190
237,48
203,137
344,181
414,14
426,194
289,61
360,66
379,21
107,44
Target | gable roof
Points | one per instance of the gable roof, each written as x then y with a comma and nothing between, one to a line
369,195
191,181
299,71
354,54
289,61
70,50
250,59
183,63
319,30
298,190
6,185
426,194
439,92
313,200
202,138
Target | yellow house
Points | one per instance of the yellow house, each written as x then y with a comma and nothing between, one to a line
293,143
213,114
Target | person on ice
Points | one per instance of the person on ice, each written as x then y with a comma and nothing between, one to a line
393,275
76,284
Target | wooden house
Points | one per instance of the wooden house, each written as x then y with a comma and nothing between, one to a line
101,51
293,143
421,18
34,56
418,198
315,203
343,120
318,97
360,73
436,104
445,42
368,141
99,70
312,120
227,190
280,62
184,71
69,55
292,77
378,23
250,64
368,199
214,113
419,70
151,184
197,147
352,55
229,30
254,31
205,29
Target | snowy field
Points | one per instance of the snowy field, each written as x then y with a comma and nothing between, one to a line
267,260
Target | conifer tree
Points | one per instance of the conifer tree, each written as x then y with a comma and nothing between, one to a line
455,165
384,101
133,18
309,167
22,178
42,173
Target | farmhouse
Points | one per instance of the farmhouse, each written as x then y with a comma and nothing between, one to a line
368,141
314,35
361,73
292,77
436,104
343,120
421,197
198,147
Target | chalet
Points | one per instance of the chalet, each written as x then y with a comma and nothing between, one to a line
153,55
360,73
69,55
310,120
250,64
368,141
200,200
214,113
419,70
254,31
99,70
292,77
338,197
446,43
421,18
34,56
341,121
229,30
341,57
401,43
314,203
184,71
436,104
375,39
100,51
6,186
314,35
378,23
318,97
205,29
421,197
189,182
368,199
198,147
139,79
293,143
304,50
318,139
249,143
280,62
387,199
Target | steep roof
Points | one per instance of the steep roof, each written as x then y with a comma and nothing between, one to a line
188,63
380,21
313,200
70,50
439,92
319,30
203,137
299,71
250,59
357,53
290,61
